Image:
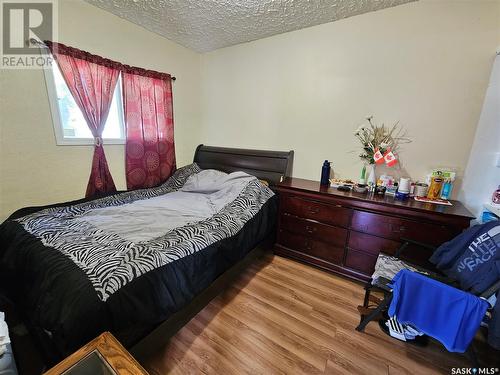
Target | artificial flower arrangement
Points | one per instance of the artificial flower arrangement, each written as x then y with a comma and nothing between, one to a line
379,142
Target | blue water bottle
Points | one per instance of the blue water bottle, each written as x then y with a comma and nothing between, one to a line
325,173
446,189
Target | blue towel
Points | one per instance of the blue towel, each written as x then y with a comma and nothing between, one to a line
447,314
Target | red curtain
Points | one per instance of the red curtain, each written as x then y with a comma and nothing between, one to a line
92,85
150,152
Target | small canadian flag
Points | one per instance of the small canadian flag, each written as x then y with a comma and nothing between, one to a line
378,157
389,158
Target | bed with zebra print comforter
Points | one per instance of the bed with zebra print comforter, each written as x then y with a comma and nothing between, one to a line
126,262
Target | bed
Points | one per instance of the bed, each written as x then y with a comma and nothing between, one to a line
141,263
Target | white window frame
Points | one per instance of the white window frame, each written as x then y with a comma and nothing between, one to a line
56,116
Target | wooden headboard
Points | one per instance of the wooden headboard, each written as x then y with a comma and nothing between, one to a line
271,166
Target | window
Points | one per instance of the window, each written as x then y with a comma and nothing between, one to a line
70,127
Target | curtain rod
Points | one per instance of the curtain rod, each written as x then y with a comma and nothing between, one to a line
43,45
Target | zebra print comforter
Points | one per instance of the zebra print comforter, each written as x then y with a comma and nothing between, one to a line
74,280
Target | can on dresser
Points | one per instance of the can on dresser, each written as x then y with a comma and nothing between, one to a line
421,189
435,188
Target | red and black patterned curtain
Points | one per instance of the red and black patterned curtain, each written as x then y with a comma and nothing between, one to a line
91,80
147,100
150,151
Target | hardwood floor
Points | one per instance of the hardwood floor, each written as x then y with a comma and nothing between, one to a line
283,317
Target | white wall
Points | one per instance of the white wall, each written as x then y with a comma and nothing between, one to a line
425,64
482,176
33,169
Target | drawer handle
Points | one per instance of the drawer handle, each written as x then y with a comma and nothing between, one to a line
398,229
310,230
308,245
313,210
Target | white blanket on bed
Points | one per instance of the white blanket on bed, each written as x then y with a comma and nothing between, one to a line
203,195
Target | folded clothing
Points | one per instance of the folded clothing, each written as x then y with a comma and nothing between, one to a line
403,332
447,314
388,266
4,332
7,363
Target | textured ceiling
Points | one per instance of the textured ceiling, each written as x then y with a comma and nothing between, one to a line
205,25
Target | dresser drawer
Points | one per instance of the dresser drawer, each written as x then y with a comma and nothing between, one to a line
372,244
396,228
315,248
322,232
325,213
359,261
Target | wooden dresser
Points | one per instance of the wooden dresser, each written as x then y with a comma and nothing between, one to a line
344,231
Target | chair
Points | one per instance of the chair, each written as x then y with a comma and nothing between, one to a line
386,268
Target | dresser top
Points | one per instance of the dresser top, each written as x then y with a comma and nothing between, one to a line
457,209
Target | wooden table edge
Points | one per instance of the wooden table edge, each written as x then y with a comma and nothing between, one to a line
103,344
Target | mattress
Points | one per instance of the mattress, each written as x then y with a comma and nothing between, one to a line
126,262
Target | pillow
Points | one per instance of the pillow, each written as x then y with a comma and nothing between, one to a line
181,174
204,178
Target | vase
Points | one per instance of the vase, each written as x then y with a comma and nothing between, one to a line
372,178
